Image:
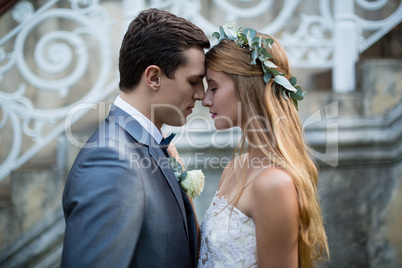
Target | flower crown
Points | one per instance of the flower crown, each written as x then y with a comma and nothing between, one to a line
247,38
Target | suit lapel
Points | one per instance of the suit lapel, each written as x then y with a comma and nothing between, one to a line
164,165
134,128
192,230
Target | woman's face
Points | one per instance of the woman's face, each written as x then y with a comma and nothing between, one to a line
222,100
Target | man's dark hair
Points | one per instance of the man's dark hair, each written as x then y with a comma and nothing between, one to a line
156,37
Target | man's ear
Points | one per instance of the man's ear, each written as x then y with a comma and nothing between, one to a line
152,75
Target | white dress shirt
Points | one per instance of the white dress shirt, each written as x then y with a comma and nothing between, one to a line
142,119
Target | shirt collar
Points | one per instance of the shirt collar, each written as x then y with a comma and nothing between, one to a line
142,119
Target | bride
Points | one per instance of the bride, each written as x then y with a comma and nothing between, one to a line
266,211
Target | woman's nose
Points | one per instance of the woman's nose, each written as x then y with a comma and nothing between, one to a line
207,101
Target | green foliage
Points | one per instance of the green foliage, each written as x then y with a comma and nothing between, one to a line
281,80
267,77
293,81
247,39
178,171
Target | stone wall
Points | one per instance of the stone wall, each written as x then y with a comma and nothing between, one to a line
362,208
357,141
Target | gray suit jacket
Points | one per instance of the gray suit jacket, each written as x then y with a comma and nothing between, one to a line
122,204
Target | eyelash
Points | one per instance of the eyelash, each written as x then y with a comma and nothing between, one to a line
213,89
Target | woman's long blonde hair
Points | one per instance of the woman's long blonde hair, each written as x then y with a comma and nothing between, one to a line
282,142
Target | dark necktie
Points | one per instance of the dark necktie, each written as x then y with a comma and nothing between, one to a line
165,144
166,141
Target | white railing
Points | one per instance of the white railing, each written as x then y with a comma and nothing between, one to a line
60,61
330,38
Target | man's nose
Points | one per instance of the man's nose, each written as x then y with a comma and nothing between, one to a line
199,92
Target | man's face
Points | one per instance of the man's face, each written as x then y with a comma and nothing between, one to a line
178,95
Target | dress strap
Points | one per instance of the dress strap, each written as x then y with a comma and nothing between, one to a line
256,175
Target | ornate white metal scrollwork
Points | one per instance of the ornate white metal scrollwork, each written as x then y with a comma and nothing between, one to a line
373,30
312,44
372,5
237,12
23,11
60,60
61,57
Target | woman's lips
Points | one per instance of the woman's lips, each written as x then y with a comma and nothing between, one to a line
214,115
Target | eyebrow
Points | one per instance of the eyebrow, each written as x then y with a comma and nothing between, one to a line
198,76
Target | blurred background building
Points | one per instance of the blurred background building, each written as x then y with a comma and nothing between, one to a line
58,76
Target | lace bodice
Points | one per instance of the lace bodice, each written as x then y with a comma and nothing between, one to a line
227,237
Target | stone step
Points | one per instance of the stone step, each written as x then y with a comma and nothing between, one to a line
40,246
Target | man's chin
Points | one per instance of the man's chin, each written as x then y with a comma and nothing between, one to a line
177,123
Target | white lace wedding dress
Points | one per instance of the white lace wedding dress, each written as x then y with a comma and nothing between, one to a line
227,237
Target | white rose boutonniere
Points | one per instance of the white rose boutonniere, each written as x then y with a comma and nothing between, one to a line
191,181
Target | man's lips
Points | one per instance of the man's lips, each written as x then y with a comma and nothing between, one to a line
214,115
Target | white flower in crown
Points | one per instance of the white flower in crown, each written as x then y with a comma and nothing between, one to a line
230,30
191,181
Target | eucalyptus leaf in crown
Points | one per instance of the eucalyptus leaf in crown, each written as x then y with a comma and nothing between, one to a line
247,39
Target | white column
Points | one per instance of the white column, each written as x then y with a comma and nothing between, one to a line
345,50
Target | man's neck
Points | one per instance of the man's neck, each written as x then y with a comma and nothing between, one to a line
140,103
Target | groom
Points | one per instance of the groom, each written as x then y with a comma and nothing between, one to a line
122,204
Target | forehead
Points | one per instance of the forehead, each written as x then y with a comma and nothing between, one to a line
195,65
217,77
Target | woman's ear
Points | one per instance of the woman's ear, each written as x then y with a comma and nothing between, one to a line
152,75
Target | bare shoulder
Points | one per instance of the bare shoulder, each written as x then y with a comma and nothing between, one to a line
272,180
275,189
275,211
